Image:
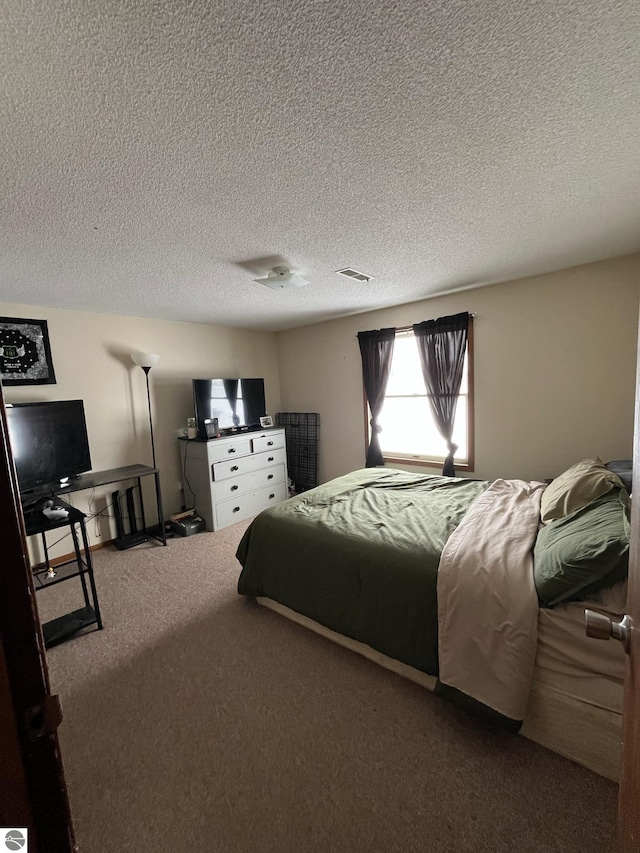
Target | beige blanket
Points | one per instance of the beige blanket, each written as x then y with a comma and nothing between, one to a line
487,601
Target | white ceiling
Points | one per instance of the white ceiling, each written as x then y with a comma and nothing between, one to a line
151,154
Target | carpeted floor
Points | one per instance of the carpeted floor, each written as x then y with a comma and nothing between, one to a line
198,720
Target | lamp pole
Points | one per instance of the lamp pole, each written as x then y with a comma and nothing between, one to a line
146,360
153,447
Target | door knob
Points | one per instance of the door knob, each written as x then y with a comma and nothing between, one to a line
600,627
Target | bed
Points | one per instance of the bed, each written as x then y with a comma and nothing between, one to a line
441,580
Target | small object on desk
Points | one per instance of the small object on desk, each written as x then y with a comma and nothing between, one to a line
211,429
55,513
192,429
51,572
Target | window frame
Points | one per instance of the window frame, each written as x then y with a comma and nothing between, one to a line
423,462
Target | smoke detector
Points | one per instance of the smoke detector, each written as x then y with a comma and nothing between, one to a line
349,272
281,277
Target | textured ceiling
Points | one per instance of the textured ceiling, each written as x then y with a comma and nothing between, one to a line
152,153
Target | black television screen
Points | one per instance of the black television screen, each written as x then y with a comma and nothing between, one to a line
236,403
49,442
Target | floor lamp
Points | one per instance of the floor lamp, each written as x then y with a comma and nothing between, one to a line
146,360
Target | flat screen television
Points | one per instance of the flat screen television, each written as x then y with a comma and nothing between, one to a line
49,443
236,403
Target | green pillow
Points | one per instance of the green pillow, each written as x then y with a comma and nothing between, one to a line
584,551
576,487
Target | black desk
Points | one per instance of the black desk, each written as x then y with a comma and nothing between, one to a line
80,566
117,475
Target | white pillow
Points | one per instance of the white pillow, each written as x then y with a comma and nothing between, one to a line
578,486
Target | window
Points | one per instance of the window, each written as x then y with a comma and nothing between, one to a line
409,433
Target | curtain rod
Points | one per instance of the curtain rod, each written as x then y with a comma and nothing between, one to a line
472,315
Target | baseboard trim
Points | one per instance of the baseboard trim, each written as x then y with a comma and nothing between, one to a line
65,558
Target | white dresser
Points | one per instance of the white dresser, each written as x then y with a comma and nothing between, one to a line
236,476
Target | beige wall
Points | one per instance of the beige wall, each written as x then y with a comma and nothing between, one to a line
91,356
554,370
554,358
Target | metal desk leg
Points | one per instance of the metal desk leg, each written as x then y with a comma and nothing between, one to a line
45,552
80,562
143,520
163,533
89,565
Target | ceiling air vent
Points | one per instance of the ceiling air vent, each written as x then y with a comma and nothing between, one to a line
354,274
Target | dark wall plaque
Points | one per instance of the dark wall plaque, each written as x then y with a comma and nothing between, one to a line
25,354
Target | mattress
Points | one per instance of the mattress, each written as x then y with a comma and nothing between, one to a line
578,666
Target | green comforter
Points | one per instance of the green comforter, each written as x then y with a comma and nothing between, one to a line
360,555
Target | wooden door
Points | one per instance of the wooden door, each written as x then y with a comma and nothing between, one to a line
629,807
31,776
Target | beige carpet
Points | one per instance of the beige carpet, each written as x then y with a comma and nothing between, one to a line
200,721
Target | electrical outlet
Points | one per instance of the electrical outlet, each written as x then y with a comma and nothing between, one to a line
181,486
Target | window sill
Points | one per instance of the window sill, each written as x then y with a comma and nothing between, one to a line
426,463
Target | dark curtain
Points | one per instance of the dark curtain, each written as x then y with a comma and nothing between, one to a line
376,349
231,393
442,345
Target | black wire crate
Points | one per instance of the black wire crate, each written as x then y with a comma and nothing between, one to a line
302,431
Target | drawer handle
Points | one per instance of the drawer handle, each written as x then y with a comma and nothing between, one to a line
231,450
236,509
234,488
270,459
269,444
270,477
272,495
234,468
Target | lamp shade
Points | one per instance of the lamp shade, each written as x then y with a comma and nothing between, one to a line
144,359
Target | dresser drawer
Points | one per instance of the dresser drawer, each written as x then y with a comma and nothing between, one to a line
225,489
269,441
269,476
228,449
271,457
228,512
229,487
237,467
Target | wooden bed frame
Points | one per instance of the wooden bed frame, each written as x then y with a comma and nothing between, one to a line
577,730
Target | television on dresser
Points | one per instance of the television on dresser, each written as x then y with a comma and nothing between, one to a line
236,403
49,443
